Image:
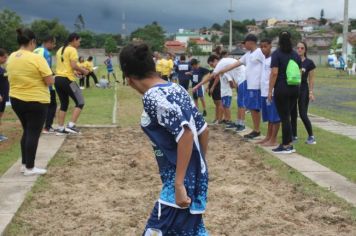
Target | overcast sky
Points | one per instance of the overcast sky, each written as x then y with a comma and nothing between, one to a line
107,15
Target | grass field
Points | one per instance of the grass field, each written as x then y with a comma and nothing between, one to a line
335,96
97,110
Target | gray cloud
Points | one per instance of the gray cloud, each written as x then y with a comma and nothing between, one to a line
106,15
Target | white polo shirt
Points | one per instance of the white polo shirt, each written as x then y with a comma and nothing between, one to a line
265,77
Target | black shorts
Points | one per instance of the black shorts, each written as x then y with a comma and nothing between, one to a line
216,95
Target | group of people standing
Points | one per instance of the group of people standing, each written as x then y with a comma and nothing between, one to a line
261,79
32,87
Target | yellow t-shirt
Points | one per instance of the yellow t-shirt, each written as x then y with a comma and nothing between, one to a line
26,71
164,67
64,68
89,66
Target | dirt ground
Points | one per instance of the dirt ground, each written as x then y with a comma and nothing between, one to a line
106,181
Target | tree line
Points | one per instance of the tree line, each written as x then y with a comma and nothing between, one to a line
10,21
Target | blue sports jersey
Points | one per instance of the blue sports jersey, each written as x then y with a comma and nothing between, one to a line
47,55
108,63
167,109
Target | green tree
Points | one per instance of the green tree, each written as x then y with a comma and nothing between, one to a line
216,26
9,22
152,34
273,33
322,19
87,39
194,49
110,45
337,28
44,28
352,24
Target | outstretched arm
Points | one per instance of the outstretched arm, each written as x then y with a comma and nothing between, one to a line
228,68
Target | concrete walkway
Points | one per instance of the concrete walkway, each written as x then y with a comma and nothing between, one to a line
333,126
14,186
318,173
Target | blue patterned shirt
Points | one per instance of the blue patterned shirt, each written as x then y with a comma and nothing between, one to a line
167,109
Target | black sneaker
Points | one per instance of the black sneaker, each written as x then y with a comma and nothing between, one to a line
240,128
72,130
230,126
284,150
252,135
204,113
60,132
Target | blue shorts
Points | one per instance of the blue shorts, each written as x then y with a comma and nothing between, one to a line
242,95
254,99
199,93
110,70
226,101
269,111
173,221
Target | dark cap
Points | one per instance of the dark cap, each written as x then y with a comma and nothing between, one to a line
251,38
194,61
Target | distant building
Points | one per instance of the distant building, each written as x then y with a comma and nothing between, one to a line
271,22
320,41
183,35
203,44
174,47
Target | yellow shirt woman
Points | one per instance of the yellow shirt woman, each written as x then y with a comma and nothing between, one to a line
64,68
26,71
89,66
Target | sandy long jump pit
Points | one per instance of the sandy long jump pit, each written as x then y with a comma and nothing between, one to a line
105,182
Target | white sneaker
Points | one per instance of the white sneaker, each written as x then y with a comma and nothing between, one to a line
23,168
34,171
98,85
82,88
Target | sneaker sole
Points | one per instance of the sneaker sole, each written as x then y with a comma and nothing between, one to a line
284,152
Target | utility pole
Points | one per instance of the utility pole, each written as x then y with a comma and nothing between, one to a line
230,35
345,30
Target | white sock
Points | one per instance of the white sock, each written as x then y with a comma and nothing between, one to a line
71,124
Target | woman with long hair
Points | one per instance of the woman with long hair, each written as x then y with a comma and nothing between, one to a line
305,94
67,64
285,93
29,77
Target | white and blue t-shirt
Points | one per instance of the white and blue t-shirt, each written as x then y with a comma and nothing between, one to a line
167,109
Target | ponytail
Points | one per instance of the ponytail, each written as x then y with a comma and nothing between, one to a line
71,38
25,36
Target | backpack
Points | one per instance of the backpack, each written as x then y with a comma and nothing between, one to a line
293,73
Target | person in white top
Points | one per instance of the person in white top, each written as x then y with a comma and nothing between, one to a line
227,83
254,61
269,110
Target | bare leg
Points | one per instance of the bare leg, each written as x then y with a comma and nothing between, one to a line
273,140
227,114
256,119
196,103
268,136
75,115
203,103
61,117
241,114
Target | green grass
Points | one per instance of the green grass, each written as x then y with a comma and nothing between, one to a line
305,185
9,157
98,104
335,96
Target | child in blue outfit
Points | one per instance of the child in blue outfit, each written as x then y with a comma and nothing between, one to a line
179,136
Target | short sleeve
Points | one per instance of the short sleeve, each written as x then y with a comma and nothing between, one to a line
73,55
204,71
261,56
243,59
172,118
275,60
43,67
200,123
312,65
